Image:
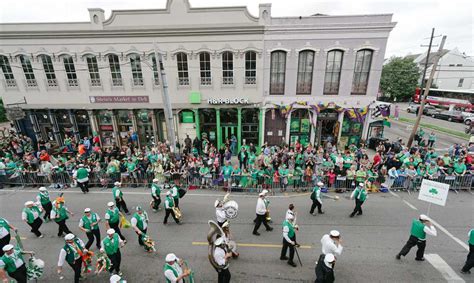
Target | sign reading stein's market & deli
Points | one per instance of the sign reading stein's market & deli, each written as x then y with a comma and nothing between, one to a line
228,101
119,99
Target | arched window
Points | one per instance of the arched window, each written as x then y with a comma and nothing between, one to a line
333,72
7,71
49,70
115,72
361,71
250,68
205,68
137,74
183,74
70,71
156,72
277,72
28,71
93,70
305,72
227,68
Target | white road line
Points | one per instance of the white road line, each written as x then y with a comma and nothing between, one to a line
410,205
394,194
441,265
464,245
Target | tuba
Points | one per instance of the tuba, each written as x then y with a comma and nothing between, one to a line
231,207
214,232
177,213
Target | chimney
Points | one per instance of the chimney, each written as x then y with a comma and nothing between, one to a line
97,17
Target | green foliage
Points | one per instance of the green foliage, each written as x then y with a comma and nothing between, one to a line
3,115
399,78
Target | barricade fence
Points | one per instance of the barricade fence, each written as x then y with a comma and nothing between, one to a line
250,183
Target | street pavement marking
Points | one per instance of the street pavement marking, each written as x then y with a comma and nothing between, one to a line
410,205
441,265
251,245
464,245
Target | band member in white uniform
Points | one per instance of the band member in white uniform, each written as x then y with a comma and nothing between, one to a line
290,212
331,243
220,213
261,210
173,269
221,257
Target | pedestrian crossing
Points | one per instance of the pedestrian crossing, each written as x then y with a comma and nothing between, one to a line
448,273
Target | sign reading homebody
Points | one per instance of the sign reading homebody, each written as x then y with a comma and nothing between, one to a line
119,99
228,101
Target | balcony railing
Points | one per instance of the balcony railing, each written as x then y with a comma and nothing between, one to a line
303,88
31,83
183,81
118,82
95,83
206,80
52,83
10,83
331,88
228,80
138,82
73,83
156,81
250,80
277,88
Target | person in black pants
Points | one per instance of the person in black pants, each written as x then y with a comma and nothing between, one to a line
221,258
112,217
17,273
419,228
169,204
316,198
470,257
289,240
325,269
261,211
111,246
71,253
89,223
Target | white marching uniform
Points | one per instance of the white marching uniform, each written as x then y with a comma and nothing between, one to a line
220,215
329,246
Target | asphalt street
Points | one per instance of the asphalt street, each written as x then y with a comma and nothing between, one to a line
370,241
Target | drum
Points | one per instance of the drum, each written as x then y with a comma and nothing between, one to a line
231,209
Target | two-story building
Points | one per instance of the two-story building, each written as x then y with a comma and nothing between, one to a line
262,79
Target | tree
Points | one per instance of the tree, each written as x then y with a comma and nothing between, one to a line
399,78
3,116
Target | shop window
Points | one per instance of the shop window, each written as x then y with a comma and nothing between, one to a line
70,71
115,72
333,72
227,68
49,70
93,71
28,71
205,68
6,68
361,72
137,75
183,75
277,72
305,72
250,68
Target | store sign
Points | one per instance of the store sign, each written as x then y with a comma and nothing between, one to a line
15,113
119,99
106,128
433,192
228,101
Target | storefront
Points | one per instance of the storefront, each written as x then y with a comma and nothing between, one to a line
327,127
250,122
146,136
351,131
275,127
83,123
106,128
300,126
64,121
125,126
208,124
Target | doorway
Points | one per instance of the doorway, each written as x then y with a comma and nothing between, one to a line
227,132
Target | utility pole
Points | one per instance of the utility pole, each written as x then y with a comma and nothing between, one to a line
166,102
427,58
427,90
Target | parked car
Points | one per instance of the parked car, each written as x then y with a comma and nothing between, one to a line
468,120
449,115
430,110
412,107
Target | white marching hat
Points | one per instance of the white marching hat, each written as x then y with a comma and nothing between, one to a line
170,257
69,237
29,203
110,231
334,233
329,258
117,184
87,210
7,248
81,165
320,184
226,224
424,217
361,184
155,180
42,189
265,192
110,203
261,194
217,202
219,241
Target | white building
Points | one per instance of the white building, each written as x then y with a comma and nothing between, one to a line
226,71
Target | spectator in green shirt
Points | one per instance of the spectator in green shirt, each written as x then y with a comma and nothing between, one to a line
460,167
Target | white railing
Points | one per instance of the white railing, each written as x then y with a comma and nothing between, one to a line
117,82
30,83
52,83
250,80
73,83
95,83
228,80
10,83
137,82
156,82
206,80
183,81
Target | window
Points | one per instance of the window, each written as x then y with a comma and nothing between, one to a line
250,68
305,72
156,73
115,70
333,72
277,72
70,71
93,71
49,71
136,70
183,75
7,72
28,70
227,68
361,71
461,81
205,68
